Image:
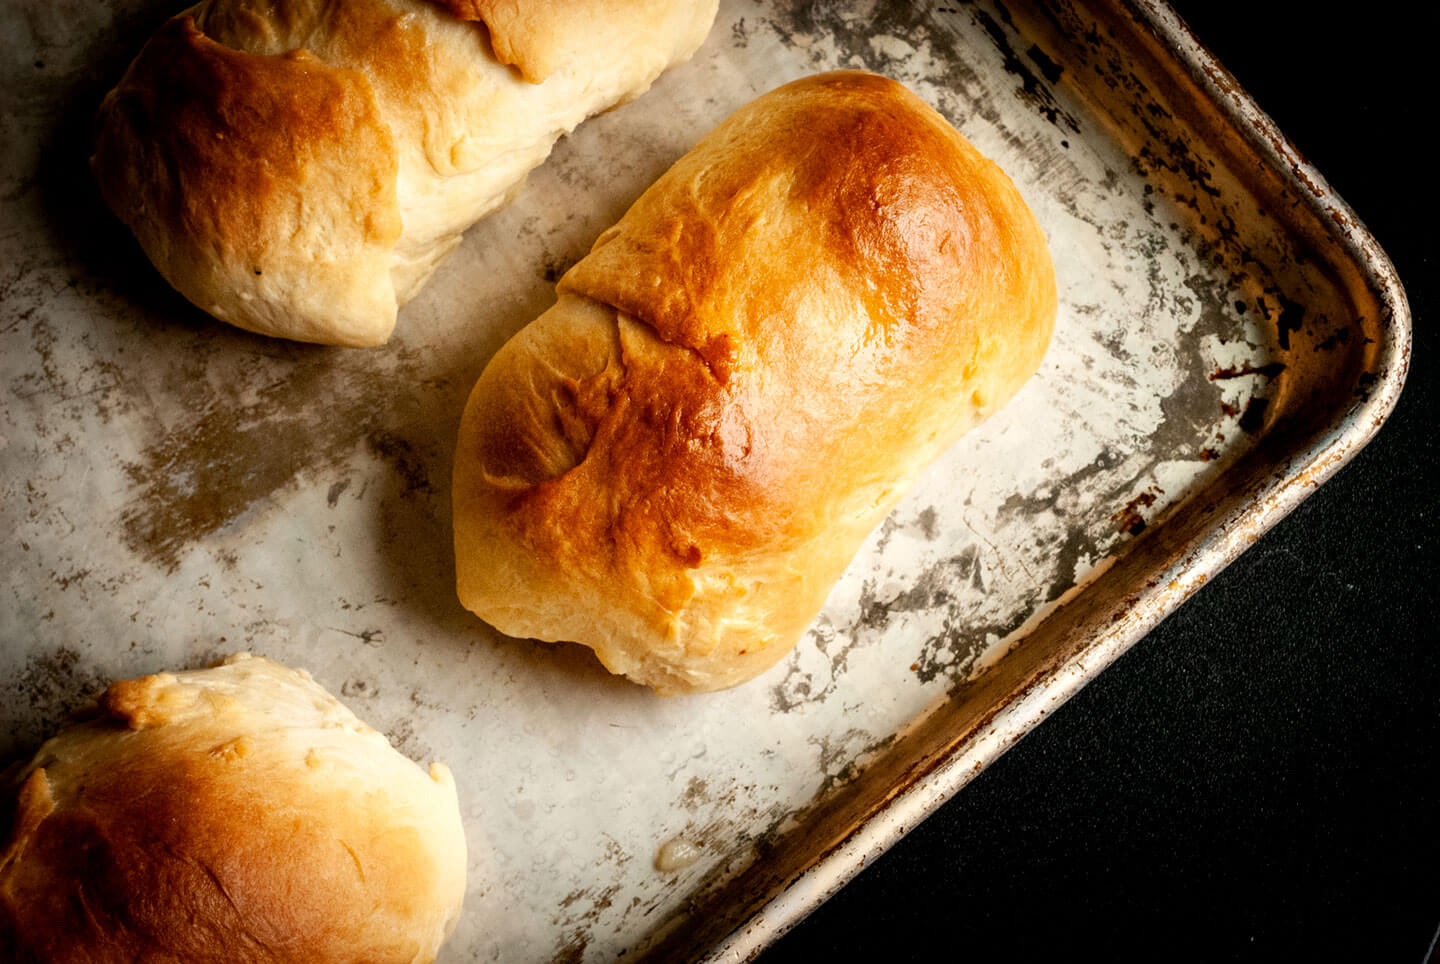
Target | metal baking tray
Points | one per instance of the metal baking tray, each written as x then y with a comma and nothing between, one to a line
1229,335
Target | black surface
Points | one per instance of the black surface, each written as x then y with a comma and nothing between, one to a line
1257,779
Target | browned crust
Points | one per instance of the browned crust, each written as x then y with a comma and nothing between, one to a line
266,152
173,831
234,135
215,157
845,178
829,288
668,476
181,859
863,181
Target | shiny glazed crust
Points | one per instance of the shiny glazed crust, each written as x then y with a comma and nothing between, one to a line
675,463
236,814
300,167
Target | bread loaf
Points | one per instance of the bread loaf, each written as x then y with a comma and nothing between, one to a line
675,463
300,167
235,815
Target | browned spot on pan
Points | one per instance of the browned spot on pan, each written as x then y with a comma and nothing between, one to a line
215,466
226,460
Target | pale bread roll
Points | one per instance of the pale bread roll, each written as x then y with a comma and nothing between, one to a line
236,814
674,464
300,167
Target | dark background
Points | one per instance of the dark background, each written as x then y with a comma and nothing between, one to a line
1256,780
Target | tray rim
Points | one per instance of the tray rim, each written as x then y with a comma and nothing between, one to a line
1296,477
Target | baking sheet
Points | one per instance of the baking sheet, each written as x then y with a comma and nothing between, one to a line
176,490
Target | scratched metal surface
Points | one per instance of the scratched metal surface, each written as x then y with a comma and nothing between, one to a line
175,490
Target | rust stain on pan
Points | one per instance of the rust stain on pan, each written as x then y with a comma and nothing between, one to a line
1129,519
1236,371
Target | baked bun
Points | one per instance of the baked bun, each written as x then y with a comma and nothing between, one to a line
674,464
237,814
300,167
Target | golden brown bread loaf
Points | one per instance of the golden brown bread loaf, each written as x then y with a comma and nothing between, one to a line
300,167
675,463
237,814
